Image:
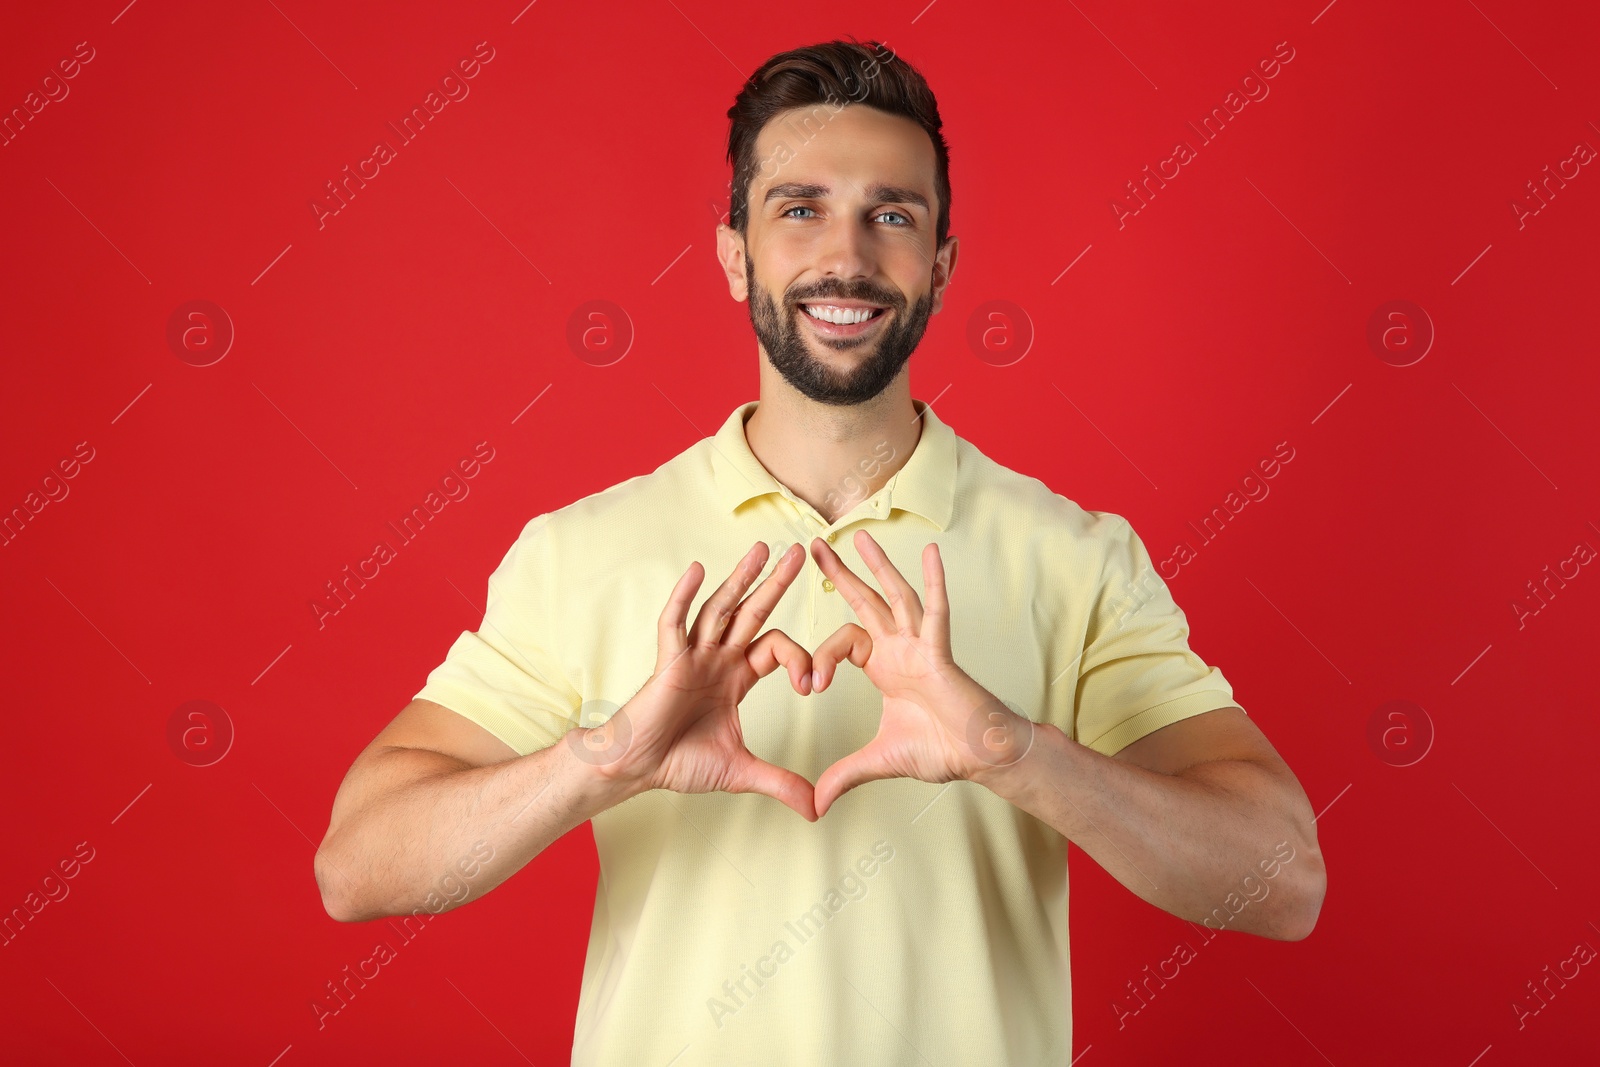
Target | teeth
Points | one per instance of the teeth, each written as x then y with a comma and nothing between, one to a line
837,315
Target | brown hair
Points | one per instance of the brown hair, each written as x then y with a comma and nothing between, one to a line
826,74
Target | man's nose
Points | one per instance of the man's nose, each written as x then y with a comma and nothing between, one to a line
846,251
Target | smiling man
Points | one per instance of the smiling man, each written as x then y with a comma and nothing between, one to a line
861,857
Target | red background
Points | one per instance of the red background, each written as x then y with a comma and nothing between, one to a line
373,353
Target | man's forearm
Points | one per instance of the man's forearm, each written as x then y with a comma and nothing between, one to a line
417,814
1184,842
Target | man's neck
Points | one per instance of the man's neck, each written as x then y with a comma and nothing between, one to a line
833,457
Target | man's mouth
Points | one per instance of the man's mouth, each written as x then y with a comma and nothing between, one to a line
840,320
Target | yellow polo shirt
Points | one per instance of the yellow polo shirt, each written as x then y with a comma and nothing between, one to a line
914,923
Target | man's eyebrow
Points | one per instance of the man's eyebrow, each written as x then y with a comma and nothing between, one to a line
878,192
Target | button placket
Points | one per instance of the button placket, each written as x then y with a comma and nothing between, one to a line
874,508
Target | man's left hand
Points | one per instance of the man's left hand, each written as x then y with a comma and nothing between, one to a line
938,724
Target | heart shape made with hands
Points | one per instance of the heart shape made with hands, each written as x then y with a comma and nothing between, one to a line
937,723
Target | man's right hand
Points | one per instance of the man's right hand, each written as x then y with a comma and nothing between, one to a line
681,731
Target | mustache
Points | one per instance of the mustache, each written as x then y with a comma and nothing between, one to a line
872,296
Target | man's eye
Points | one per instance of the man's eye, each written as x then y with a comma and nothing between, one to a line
905,220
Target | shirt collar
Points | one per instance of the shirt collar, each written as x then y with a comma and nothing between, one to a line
925,485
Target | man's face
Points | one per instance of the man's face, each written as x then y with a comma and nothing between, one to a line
841,225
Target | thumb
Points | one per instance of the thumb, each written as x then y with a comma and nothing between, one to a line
867,764
751,775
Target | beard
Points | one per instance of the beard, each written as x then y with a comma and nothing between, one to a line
780,335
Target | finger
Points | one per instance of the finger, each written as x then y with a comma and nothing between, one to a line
719,606
867,764
848,642
936,613
862,598
775,647
671,630
903,599
752,775
749,615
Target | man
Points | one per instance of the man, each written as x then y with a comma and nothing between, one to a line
862,858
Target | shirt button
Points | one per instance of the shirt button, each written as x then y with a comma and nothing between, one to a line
829,536
827,585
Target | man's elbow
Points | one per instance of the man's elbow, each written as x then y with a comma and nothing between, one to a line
331,884
1304,904
1305,874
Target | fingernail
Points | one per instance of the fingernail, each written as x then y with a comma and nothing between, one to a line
816,680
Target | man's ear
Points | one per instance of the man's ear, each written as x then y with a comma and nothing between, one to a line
731,252
944,265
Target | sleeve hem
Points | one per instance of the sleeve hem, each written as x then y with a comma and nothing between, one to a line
1164,714
518,733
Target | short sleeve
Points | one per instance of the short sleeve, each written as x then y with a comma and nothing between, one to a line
1137,673
507,677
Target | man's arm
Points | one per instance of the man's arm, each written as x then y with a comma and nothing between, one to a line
423,795
437,811
1197,816
1190,817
